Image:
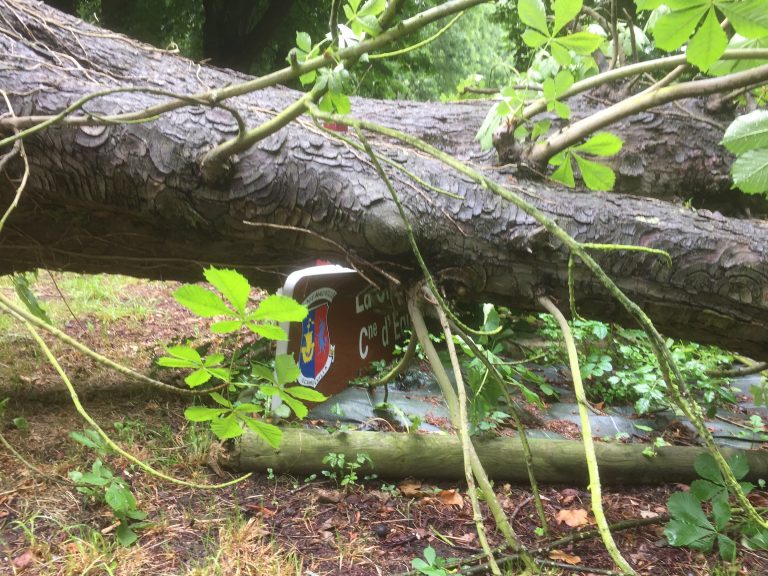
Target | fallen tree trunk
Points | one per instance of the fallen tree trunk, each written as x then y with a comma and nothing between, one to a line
131,199
439,456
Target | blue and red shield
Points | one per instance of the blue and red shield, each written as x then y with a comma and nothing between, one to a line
316,357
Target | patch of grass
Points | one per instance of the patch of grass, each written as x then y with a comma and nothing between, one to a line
241,548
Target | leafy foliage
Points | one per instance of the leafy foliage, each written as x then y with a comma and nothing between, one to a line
747,137
691,527
229,417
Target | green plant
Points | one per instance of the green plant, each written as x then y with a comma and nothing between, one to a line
690,526
103,486
230,306
431,564
345,472
652,450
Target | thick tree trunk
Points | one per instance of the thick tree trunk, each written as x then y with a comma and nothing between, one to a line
130,198
439,456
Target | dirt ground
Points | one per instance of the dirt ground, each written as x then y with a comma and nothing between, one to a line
263,525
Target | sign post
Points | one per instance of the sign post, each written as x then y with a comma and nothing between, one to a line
350,324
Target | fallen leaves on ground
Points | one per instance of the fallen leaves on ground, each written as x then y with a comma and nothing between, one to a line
574,518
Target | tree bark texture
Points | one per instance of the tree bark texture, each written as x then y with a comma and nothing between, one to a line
439,456
130,198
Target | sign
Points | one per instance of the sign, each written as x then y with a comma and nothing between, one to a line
350,324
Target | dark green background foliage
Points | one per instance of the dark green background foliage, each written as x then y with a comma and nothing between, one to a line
255,36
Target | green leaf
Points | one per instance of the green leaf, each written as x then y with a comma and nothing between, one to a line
705,490
561,54
372,8
689,526
226,428
533,14
296,406
213,360
563,82
226,326
648,4
673,29
169,362
125,534
562,109
260,371
304,41
595,175
268,331
197,378
186,353
721,510
748,18
747,132
706,467
722,67
269,432
583,43
231,284
727,548
119,498
202,413
286,369
708,44
685,507
534,39
201,301
564,174
219,399
750,171
739,465
221,373
308,78
565,11
21,284
601,144
279,309
306,394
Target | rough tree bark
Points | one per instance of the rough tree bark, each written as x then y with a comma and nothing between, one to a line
130,198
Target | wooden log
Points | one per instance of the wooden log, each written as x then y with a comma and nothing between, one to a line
438,456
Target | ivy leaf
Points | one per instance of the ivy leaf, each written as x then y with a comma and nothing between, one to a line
673,29
750,171
595,175
201,301
231,284
279,309
565,11
564,173
269,432
533,14
747,132
226,428
601,144
748,18
708,44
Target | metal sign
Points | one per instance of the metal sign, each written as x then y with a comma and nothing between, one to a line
350,324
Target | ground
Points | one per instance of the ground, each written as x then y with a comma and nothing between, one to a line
264,525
